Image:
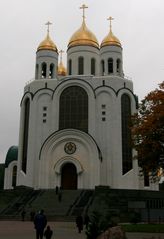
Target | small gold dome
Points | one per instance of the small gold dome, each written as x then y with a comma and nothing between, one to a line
61,69
83,36
47,44
111,40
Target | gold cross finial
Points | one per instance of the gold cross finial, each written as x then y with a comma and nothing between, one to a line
110,19
48,26
83,7
61,52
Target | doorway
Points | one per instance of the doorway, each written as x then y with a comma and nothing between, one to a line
69,176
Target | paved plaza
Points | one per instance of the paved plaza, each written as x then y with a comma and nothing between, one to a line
62,230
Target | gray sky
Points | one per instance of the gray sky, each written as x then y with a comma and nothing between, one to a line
137,23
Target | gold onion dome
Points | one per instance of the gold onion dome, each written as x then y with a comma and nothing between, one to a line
61,68
83,36
110,39
47,43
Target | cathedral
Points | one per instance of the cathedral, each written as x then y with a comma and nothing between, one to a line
74,122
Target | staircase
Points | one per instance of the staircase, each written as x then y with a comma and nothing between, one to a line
73,202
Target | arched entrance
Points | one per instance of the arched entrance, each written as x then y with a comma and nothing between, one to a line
69,176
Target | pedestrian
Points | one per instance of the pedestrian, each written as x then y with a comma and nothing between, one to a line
48,233
86,221
60,195
56,190
40,222
32,215
23,213
79,223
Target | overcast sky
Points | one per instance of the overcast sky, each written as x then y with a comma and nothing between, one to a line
137,23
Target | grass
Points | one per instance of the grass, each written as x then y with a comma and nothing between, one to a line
150,228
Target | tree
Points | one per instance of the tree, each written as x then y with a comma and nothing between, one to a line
148,132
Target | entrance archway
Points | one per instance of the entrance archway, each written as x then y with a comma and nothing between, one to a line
69,176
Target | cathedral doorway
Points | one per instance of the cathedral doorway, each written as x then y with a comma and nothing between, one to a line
69,176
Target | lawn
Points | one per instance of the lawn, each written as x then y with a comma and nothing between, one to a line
150,228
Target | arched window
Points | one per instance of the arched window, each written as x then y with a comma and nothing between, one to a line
37,71
44,69
14,176
70,67
126,133
93,66
51,71
80,65
102,67
74,109
110,65
25,134
118,65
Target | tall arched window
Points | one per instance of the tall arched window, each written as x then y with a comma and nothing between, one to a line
93,66
25,134
126,133
118,65
37,71
110,65
14,176
102,67
70,67
44,69
74,109
51,71
80,65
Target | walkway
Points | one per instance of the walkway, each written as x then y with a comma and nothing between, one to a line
62,230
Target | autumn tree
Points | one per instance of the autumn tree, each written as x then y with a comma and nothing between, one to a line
148,132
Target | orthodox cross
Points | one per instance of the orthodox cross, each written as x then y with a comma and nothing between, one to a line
110,19
61,52
83,7
48,25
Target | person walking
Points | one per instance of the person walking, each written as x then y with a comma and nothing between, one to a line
79,223
48,233
40,222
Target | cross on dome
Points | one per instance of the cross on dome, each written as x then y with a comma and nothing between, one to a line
83,7
48,26
110,19
61,52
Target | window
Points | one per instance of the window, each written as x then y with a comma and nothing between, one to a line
44,69
81,65
44,108
110,65
93,66
14,176
103,106
126,133
37,71
103,118
146,179
51,71
74,109
103,113
70,67
118,64
102,67
25,134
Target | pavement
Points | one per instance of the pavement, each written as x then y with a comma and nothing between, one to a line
61,230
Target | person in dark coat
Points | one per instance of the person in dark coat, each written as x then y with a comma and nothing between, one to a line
40,222
79,223
48,233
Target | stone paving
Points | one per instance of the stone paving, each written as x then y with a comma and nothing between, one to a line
62,230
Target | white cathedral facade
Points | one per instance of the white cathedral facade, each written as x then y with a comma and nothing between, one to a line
74,123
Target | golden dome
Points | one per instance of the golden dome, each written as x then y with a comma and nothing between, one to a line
110,39
61,68
83,36
47,44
